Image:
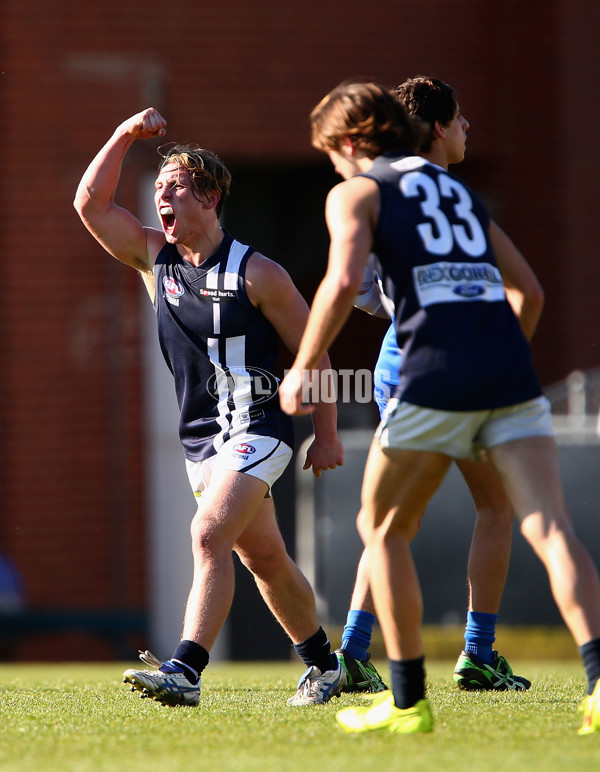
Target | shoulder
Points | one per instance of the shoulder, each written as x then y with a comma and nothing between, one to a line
355,194
261,268
266,278
359,186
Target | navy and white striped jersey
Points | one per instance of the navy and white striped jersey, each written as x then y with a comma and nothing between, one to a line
463,348
221,350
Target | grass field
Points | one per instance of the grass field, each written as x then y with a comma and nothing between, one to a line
80,717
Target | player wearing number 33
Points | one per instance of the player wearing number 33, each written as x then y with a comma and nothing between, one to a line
466,382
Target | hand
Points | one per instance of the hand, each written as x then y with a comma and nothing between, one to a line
323,455
145,125
291,393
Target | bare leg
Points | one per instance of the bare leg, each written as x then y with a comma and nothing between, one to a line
489,554
396,489
282,585
226,509
490,546
530,471
362,600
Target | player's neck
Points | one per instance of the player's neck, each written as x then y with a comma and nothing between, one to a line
200,249
436,156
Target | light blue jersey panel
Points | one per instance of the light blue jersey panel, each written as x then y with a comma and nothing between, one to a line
387,369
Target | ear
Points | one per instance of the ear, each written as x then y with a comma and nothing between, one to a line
347,147
212,200
439,131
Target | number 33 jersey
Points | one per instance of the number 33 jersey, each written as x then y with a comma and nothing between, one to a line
463,348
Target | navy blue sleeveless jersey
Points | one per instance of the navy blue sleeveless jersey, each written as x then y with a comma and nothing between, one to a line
221,350
463,348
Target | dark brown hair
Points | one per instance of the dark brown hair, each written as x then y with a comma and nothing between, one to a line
429,98
370,115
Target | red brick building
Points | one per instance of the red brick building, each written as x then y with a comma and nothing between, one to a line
240,77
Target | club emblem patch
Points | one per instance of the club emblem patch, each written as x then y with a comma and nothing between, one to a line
244,448
172,287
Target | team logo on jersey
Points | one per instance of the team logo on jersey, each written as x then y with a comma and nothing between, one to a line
244,449
173,288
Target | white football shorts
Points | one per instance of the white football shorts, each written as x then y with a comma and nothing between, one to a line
262,457
462,434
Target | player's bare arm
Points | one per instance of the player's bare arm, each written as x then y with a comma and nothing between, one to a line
350,213
271,289
118,230
523,289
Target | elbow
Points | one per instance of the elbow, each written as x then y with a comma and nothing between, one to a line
542,298
341,287
349,290
536,298
81,201
530,296
348,285
85,203
346,294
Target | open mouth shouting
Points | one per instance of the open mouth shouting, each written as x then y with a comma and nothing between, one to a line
167,217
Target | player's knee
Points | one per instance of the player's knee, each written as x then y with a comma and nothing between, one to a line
364,525
549,537
209,535
264,563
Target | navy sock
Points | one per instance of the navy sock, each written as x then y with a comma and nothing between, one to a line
408,681
590,654
480,634
191,658
358,630
316,651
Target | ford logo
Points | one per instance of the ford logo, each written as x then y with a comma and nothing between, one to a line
469,290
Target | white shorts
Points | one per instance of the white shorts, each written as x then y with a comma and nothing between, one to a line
262,457
461,434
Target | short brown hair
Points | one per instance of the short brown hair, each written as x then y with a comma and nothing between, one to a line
208,173
429,98
370,115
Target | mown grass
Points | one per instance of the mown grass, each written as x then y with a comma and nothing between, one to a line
80,717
